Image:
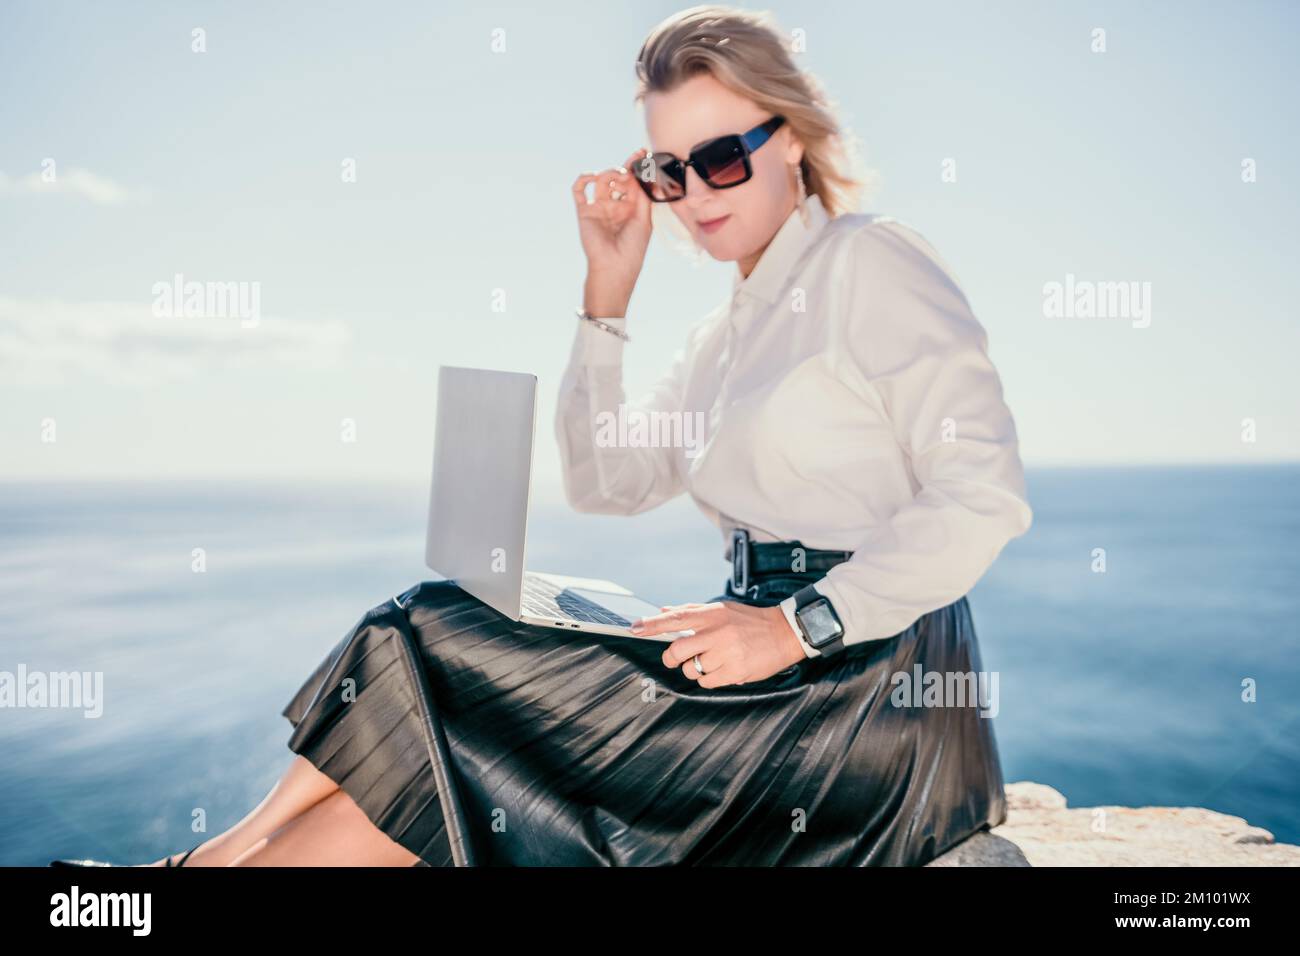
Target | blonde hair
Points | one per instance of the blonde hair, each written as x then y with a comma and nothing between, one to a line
746,52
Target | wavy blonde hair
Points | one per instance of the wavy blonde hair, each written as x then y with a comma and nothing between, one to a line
747,52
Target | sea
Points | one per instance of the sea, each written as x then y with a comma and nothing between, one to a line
1144,631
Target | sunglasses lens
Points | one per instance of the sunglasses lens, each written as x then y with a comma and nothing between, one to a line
653,172
723,163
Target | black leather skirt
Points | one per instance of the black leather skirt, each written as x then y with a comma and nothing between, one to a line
474,740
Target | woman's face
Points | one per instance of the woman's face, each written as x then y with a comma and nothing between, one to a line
698,110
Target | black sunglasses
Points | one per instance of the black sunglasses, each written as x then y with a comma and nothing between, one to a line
722,163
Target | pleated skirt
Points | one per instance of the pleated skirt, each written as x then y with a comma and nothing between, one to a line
474,740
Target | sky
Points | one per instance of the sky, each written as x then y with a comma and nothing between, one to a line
387,176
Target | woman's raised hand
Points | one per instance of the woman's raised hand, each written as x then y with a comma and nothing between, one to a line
614,232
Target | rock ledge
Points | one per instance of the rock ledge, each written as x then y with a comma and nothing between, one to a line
1040,830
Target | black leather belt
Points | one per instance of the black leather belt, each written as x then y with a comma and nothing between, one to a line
752,558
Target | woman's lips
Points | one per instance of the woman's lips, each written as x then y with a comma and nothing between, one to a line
713,225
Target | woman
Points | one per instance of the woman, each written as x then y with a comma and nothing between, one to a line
862,467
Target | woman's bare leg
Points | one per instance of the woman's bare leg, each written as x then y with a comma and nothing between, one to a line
301,788
333,832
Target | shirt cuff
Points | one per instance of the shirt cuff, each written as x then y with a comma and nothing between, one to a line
787,607
599,347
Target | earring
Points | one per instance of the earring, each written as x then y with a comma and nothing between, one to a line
803,192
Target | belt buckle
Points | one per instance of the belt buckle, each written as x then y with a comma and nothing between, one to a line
739,560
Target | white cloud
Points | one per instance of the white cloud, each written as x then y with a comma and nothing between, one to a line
51,343
75,182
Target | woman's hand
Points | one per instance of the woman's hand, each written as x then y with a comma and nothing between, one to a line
737,643
615,233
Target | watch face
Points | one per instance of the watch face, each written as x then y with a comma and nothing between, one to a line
819,622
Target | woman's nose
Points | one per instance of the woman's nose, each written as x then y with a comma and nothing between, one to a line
700,188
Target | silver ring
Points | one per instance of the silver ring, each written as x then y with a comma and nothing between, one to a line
698,668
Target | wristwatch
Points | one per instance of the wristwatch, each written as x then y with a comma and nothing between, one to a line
817,619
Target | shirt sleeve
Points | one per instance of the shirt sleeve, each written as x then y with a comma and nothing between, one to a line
611,477
787,607
923,355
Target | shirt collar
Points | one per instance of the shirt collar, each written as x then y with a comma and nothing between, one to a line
766,279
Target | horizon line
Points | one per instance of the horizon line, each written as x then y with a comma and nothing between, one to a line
545,480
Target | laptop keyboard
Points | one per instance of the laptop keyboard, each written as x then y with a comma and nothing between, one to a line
541,598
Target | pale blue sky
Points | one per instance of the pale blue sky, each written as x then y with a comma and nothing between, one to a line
225,166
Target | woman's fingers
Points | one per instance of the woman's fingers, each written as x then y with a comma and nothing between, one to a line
711,659
684,648
580,189
609,182
679,617
615,224
718,668
704,642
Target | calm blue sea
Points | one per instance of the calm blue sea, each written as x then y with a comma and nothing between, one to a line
1115,688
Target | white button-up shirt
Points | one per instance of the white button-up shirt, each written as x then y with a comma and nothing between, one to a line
843,397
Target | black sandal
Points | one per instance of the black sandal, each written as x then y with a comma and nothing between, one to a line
81,863
69,863
185,857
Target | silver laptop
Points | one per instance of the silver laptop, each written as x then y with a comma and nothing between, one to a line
478,510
